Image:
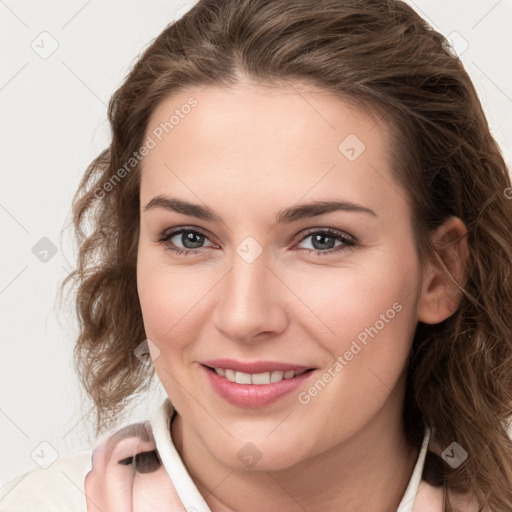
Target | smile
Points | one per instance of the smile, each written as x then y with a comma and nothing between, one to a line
255,384
257,379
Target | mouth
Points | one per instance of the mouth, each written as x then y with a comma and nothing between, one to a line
254,384
257,379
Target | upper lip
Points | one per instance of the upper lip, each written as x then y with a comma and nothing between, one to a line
254,366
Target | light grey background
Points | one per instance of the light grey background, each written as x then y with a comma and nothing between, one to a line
53,111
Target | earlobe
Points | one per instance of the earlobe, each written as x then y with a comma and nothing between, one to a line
440,296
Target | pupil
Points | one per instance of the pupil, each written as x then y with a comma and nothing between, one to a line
188,238
321,239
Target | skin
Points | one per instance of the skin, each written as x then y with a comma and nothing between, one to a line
248,152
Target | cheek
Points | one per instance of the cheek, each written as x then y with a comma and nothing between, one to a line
170,299
369,353
368,315
344,304
163,303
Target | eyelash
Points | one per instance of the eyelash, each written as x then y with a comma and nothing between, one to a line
348,242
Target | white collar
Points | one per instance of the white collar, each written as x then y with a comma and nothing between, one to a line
407,502
190,495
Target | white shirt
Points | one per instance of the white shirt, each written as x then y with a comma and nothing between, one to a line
62,487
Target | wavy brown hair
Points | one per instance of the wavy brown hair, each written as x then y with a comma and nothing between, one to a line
382,56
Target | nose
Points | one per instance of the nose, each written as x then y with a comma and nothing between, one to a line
251,302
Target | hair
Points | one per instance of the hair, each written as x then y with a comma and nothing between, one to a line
382,56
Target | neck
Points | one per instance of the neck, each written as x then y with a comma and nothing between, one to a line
365,473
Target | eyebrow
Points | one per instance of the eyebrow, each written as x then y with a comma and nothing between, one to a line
291,214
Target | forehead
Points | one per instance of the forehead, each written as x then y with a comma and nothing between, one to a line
267,141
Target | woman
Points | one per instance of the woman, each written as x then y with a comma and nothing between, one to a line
305,221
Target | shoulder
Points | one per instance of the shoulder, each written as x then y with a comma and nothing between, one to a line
430,499
60,487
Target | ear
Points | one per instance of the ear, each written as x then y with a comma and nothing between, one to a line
440,297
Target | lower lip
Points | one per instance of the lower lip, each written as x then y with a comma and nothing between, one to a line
253,395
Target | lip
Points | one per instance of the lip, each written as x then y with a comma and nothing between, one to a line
251,395
254,366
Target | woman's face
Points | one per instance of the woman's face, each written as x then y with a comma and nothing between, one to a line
277,277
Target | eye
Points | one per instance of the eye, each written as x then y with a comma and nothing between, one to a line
191,240
323,241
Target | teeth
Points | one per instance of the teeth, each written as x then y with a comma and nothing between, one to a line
260,378
276,376
257,378
243,378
